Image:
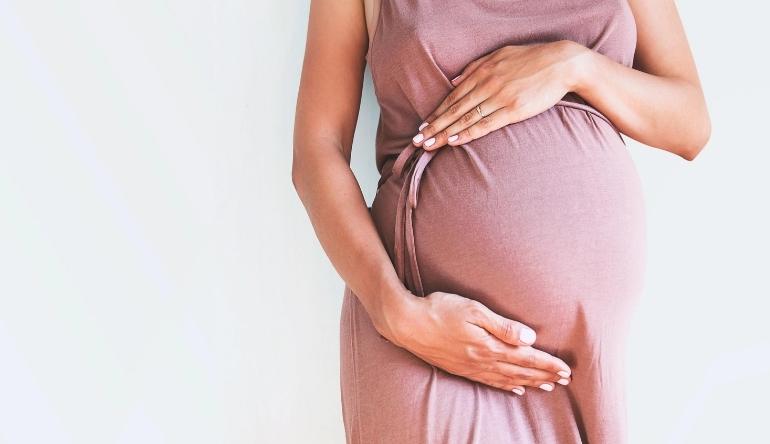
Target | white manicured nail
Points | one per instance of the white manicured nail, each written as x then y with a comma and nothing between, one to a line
452,138
563,381
563,373
423,125
527,335
518,390
430,141
546,387
417,138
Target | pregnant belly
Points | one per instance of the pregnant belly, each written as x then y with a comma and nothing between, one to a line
542,221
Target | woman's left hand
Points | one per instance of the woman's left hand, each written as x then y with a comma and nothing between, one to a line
508,85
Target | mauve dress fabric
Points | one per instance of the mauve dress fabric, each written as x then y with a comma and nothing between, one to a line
542,221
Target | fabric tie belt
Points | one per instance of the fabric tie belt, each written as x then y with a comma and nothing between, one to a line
407,203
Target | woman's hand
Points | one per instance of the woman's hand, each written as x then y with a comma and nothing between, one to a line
465,338
508,85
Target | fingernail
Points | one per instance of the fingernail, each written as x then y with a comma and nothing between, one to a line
563,381
423,125
518,390
453,80
563,373
429,142
417,138
527,336
546,387
452,138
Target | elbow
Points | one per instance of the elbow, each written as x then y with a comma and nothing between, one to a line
698,141
296,172
295,182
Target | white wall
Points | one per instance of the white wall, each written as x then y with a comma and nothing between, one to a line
160,281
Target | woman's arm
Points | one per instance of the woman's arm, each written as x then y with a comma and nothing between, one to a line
327,110
659,103
454,333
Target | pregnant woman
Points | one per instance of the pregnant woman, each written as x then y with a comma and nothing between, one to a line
489,287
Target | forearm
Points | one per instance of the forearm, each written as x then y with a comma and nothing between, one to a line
662,112
339,215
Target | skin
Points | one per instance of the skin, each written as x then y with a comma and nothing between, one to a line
659,103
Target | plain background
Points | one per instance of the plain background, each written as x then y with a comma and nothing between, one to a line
160,281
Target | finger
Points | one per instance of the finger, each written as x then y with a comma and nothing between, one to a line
534,376
544,385
435,134
496,120
468,84
507,330
468,70
465,96
500,381
528,357
533,358
453,97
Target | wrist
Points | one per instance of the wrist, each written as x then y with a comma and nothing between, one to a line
580,63
390,314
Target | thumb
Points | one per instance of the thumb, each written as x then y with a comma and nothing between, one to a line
507,330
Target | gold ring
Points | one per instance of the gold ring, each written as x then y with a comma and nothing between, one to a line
478,108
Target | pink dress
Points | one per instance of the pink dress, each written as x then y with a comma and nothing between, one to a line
541,220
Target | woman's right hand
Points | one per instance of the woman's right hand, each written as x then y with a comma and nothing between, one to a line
464,337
